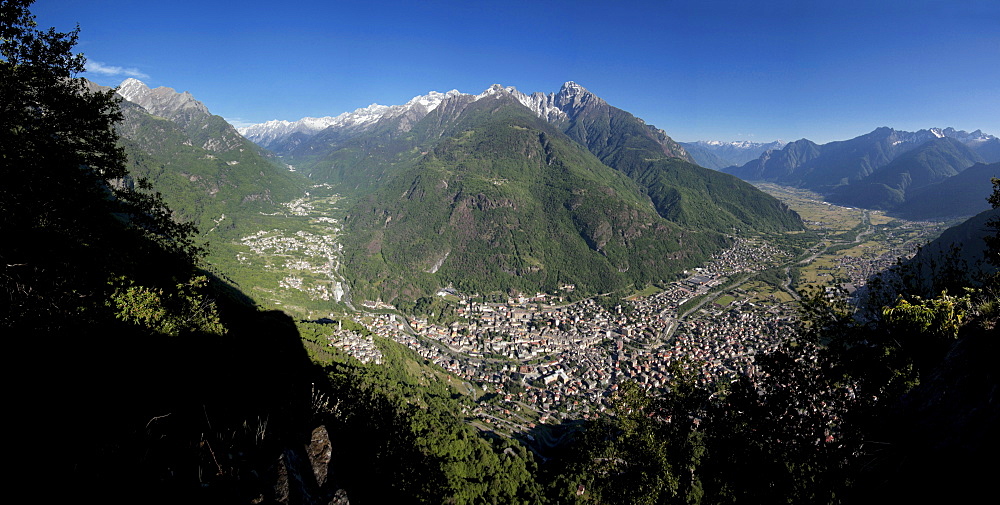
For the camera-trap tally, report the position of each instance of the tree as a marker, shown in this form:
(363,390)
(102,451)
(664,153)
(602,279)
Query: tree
(69,211)
(993,241)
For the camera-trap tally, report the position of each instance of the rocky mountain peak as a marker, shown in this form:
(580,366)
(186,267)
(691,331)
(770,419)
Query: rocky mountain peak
(541,104)
(572,98)
(162,101)
(431,100)
(130,89)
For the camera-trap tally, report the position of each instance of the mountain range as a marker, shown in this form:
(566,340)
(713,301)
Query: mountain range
(719,155)
(883,169)
(511,191)
(355,149)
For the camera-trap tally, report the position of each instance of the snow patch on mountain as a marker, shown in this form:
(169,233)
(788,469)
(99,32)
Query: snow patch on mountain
(541,104)
(130,89)
(267,133)
(742,144)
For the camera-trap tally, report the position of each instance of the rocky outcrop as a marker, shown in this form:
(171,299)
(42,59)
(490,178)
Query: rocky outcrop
(304,475)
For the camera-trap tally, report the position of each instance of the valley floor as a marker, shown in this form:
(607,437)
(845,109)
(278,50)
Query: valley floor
(538,360)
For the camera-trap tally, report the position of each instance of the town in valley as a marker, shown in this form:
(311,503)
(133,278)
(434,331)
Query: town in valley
(535,359)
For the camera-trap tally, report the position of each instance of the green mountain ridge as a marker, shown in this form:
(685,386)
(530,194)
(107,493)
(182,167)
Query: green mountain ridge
(358,159)
(681,191)
(207,172)
(506,202)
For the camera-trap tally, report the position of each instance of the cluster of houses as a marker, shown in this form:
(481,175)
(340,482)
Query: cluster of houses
(362,347)
(567,361)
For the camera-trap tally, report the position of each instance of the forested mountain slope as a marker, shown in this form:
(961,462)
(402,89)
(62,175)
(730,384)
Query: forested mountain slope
(961,195)
(208,173)
(682,192)
(505,201)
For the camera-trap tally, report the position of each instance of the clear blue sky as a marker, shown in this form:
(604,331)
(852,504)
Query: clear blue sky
(700,70)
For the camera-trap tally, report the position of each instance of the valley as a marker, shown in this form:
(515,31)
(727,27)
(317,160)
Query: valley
(292,262)
(497,297)
(530,360)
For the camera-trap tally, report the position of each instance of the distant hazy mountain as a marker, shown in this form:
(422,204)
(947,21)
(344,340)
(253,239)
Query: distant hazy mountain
(988,149)
(824,167)
(717,155)
(879,170)
(961,195)
(206,171)
(891,185)
(283,136)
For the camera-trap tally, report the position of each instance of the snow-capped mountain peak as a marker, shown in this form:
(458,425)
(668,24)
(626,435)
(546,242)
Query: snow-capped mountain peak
(131,88)
(541,104)
(431,100)
(496,89)
(265,134)
(741,144)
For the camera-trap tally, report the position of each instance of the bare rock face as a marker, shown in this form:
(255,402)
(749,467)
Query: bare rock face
(181,108)
(320,451)
(304,474)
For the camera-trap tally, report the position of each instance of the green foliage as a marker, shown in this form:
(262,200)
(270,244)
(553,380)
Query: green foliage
(647,453)
(402,425)
(71,212)
(436,309)
(939,317)
(168,312)
(776,276)
(613,304)
(993,241)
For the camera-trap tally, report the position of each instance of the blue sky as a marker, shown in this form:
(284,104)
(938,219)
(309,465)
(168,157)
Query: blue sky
(700,70)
